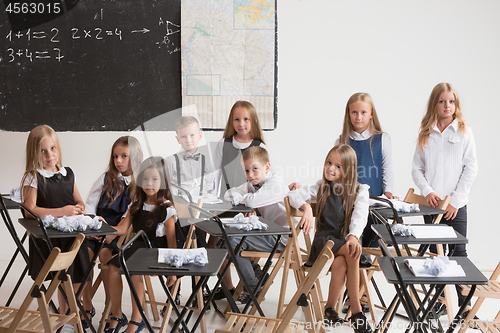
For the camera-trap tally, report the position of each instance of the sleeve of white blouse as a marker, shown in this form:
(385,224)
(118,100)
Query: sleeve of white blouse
(302,195)
(387,169)
(160,228)
(273,191)
(359,216)
(418,172)
(236,194)
(460,195)
(94,196)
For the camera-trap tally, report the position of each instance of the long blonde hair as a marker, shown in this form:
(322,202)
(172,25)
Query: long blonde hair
(431,116)
(374,125)
(112,184)
(33,152)
(348,186)
(255,131)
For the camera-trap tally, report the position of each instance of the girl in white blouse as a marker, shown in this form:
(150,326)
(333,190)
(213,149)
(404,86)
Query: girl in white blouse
(445,161)
(341,215)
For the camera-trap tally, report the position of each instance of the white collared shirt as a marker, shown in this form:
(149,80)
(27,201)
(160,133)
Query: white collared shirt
(447,165)
(29,181)
(269,198)
(190,170)
(387,169)
(361,204)
(95,192)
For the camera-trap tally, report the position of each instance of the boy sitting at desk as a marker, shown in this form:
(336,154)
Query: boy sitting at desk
(189,168)
(265,192)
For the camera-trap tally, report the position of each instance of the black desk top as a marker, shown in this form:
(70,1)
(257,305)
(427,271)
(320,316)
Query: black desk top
(32,226)
(226,206)
(212,228)
(9,204)
(142,259)
(382,232)
(473,275)
(424,210)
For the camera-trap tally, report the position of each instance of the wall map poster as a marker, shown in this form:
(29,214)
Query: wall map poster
(228,54)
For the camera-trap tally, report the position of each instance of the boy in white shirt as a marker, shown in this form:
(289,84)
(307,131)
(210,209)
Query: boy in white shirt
(189,168)
(264,191)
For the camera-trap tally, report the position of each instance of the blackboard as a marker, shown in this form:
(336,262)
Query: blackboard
(99,65)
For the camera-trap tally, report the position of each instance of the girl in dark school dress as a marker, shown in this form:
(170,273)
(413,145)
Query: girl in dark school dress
(109,198)
(342,212)
(151,210)
(48,188)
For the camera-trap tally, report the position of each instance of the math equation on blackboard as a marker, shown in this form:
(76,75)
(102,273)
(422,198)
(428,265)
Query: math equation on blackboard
(51,40)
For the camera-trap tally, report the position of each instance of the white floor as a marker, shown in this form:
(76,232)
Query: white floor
(215,321)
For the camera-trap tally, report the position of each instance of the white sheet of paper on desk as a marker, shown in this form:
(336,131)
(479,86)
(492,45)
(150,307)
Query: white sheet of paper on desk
(433,231)
(418,269)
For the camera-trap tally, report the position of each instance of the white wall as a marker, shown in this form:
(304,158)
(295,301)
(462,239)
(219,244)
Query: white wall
(395,50)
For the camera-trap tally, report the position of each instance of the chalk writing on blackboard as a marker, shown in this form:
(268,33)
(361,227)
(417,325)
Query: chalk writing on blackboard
(106,65)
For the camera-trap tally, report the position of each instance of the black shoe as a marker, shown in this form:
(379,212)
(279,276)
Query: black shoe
(438,310)
(219,293)
(121,322)
(360,323)
(332,318)
(91,314)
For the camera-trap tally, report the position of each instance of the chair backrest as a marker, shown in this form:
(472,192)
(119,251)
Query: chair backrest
(320,267)
(291,214)
(411,197)
(57,261)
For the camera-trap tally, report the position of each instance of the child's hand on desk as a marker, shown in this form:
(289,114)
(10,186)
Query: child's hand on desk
(432,199)
(71,210)
(353,247)
(171,280)
(390,196)
(451,212)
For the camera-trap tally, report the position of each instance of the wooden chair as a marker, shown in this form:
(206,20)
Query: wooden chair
(257,324)
(24,320)
(491,290)
(411,197)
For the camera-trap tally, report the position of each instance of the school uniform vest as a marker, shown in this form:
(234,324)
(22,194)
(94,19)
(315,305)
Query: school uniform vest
(233,173)
(114,212)
(332,221)
(369,154)
(56,192)
(148,221)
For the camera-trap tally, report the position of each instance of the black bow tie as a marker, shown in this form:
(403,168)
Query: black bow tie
(257,187)
(195,157)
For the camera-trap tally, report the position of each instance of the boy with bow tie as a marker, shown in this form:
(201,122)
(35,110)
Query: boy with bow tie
(189,168)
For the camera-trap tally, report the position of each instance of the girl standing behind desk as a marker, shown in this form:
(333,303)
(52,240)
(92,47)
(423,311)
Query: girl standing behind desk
(445,161)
